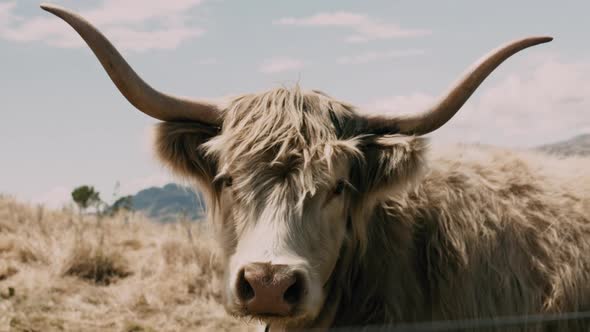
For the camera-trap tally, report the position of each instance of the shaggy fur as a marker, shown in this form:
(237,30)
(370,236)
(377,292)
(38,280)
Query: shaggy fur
(481,232)
(487,233)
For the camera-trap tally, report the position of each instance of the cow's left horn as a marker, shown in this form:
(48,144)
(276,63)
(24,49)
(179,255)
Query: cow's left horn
(451,102)
(148,100)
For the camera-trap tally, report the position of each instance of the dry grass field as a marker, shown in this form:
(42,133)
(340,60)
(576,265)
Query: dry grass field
(60,272)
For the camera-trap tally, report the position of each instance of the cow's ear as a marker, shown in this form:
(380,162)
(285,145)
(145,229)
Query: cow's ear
(389,164)
(179,146)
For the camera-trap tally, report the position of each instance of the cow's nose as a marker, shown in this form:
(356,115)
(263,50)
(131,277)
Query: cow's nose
(267,289)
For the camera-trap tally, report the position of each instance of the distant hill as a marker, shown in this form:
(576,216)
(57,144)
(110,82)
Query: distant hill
(579,145)
(170,202)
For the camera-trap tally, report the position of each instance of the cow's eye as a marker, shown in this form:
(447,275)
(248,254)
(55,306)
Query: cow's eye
(228,181)
(340,186)
(223,181)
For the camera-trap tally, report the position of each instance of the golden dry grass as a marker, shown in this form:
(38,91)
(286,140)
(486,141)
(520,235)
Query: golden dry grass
(62,273)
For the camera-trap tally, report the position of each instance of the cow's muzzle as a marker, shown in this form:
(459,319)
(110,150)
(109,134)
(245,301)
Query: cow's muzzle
(270,290)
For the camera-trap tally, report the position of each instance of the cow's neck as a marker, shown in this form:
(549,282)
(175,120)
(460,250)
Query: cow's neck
(371,285)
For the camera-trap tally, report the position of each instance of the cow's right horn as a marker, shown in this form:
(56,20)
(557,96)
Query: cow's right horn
(442,111)
(148,100)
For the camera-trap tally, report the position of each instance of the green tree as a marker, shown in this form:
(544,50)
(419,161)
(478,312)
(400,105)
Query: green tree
(85,196)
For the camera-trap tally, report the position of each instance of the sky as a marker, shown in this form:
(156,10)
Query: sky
(64,123)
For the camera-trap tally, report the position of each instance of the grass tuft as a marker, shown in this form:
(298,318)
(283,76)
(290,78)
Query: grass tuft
(97,265)
(59,272)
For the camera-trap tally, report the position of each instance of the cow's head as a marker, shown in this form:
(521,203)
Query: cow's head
(289,174)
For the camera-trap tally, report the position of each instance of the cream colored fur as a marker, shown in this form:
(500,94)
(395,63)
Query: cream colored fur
(466,232)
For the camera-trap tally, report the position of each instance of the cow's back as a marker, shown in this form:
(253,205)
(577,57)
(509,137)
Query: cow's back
(495,233)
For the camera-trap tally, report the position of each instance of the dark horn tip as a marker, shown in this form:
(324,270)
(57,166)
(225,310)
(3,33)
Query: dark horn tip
(49,7)
(546,39)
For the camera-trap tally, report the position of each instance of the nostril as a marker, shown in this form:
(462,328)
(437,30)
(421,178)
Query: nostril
(244,289)
(294,293)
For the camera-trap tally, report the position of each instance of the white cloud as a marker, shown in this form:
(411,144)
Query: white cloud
(377,56)
(6,13)
(545,102)
(282,64)
(364,27)
(408,104)
(136,25)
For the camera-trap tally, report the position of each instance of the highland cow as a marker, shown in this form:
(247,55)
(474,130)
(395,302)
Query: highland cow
(329,217)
